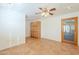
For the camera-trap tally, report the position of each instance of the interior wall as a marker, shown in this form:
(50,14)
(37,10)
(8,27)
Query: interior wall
(51,26)
(28,22)
(12,28)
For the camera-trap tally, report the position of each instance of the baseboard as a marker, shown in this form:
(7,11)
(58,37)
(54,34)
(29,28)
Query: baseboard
(50,39)
(13,45)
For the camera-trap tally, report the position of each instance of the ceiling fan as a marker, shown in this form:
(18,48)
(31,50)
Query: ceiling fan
(46,11)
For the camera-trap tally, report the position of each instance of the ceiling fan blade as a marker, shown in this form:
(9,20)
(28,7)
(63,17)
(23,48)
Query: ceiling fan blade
(40,8)
(52,9)
(51,13)
(38,13)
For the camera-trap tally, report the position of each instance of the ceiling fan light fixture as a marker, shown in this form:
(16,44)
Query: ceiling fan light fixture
(45,14)
(42,14)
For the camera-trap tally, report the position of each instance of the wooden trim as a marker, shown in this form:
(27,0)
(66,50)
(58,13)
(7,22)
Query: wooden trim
(76,31)
(69,18)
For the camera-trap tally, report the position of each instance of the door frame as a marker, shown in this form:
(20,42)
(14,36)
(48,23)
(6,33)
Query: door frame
(76,31)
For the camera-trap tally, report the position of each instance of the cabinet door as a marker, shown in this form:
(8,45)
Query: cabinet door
(36,29)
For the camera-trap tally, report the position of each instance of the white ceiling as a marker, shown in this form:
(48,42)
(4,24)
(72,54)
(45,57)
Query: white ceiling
(31,8)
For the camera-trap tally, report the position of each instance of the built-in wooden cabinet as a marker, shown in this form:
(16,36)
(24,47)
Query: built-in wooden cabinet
(36,29)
